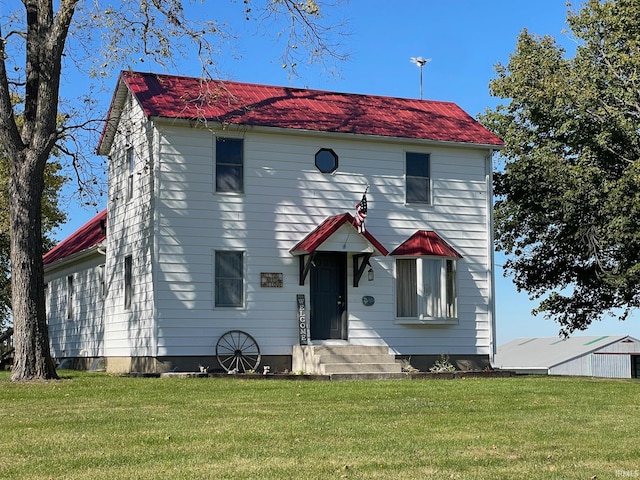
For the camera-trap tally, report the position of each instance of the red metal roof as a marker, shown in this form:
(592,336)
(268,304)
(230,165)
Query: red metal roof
(425,242)
(293,108)
(328,227)
(89,235)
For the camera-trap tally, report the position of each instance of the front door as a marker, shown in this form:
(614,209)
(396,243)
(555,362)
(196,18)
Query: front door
(328,316)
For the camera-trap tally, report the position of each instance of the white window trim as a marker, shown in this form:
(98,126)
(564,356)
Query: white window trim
(423,319)
(244,280)
(230,136)
(407,202)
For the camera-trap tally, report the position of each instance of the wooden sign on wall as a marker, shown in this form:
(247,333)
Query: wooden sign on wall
(271,280)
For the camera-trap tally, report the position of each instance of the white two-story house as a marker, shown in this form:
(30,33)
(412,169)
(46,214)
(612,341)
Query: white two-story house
(231,237)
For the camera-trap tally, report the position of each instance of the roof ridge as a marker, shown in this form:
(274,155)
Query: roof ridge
(300,89)
(295,109)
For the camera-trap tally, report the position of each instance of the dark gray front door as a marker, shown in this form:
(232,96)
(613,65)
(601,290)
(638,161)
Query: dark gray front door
(328,316)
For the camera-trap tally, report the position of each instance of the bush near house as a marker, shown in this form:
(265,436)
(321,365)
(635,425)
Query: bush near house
(93,426)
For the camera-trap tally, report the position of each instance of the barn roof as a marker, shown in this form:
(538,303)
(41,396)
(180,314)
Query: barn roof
(86,237)
(546,352)
(426,242)
(237,103)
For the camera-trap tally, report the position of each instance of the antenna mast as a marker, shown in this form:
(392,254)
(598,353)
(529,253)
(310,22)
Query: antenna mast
(420,62)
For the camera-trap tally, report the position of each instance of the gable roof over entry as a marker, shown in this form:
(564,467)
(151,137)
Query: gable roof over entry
(236,103)
(326,229)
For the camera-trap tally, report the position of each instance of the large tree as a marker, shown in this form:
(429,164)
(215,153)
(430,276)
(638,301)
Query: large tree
(34,40)
(52,217)
(568,198)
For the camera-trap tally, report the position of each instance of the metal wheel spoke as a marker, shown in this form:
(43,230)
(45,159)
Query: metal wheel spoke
(226,361)
(224,350)
(227,343)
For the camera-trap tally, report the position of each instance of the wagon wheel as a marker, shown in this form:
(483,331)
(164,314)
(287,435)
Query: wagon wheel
(237,351)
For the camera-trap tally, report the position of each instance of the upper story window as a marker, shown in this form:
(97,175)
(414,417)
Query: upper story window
(229,165)
(326,160)
(418,182)
(131,162)
(131,159)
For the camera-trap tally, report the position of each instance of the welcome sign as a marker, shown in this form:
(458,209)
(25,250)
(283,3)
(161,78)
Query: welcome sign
(303,326)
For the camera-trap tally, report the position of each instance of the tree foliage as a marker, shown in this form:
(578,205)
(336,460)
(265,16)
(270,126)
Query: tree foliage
(568,199)
(41,40)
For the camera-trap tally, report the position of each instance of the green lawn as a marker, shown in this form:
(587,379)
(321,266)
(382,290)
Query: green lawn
(102,427)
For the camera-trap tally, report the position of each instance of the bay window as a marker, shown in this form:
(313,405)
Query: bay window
(426,289)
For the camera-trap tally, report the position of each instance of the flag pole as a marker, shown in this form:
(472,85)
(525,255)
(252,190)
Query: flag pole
(353,224)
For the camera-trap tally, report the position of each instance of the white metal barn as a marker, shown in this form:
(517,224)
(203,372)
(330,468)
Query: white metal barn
(592,356)
(233,238)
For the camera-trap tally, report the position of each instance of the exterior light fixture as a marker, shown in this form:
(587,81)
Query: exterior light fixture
(370,274)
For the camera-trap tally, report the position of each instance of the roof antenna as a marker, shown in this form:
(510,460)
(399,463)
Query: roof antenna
(420,62)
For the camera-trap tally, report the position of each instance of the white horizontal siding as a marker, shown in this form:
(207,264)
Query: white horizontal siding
(176,221)
(83,333)
(285,198)
(129,223)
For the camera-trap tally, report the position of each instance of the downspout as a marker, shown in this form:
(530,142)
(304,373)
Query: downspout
(491,255)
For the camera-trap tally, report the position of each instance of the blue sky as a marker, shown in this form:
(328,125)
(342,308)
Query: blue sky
(465,39)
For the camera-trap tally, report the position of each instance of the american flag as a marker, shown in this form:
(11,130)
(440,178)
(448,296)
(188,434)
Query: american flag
(361,212)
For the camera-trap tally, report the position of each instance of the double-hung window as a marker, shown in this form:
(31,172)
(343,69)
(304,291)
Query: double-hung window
(426,289)
(417,175)
(131,166)
(229,165)
(102,272)
(229,279)
(70,297)
(128,281)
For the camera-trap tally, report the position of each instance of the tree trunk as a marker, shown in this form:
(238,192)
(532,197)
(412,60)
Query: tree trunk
(31,337)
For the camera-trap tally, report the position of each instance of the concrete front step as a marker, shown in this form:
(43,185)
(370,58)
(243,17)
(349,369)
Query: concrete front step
(349,349)
(344,359)
(357,358)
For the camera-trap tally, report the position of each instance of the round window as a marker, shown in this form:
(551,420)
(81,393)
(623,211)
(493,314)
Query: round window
(326,160)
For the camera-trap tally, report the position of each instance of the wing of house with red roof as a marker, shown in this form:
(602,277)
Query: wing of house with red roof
(75,276)
(254,225)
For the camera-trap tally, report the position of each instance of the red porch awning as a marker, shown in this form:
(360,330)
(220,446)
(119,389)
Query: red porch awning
(425,243)
(326,229)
